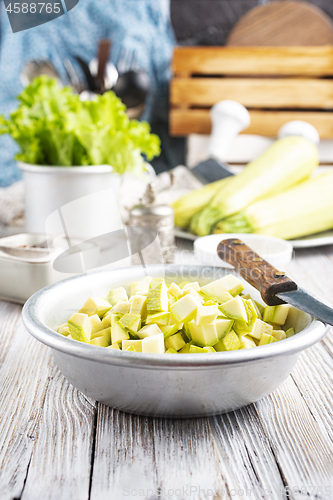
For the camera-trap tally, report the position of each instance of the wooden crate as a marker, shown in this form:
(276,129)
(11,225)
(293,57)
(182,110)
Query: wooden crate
(276,84)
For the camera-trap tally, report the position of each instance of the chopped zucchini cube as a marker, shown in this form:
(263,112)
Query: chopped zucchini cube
(64,330)
(80,327)
(230,342)
(290,332)
(198,350)
(138,305)
(174,342)
(118,333)
(185,308)
(96,324)
(132,322)
(244,327)
(169,330)
(247,342)
(157,298)
(279,334)
(234,309)
(122,307)
(218,288)
(95,305)
(267,339)
(171,351)
(175,291)
(148,331)
(103,333)
(260,328)
(153,344)
(276,314)
(137,344)
(203,335)
(206,314)
(102,341)
(186,348)
(116,295)
(143,286)
(114,346)
(223,326)
(160,318)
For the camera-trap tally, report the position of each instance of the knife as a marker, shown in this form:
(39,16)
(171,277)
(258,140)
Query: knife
(228,118)
(275,287)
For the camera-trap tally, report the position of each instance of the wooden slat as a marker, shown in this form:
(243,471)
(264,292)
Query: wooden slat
(254,92)
(197,121)
(301,61)
(138,457)
(61,461)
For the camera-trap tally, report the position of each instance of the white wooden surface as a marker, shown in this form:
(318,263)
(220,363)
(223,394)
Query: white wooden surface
(57,444)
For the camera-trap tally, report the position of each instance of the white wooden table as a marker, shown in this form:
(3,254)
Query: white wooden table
(57,444)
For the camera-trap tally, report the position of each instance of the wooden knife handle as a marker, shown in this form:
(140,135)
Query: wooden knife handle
(255,270)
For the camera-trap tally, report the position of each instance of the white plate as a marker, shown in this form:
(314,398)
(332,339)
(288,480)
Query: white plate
(313,240)
(276,251)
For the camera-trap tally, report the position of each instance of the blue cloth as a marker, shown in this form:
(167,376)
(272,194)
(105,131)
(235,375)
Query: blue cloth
(138,26)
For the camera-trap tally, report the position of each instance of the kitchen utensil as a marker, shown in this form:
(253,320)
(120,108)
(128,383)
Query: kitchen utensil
(163,385)
(91,81)
(275,287)
(35,68)
(111,73)
(229,118)
(28,270)
(282,24)
(159,217)
(132,87)
(104,47)
(276,251)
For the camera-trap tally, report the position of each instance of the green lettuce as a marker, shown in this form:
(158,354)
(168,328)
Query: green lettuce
(52,126)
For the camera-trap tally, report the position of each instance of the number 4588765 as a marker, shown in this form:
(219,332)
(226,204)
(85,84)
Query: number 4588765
(33,8)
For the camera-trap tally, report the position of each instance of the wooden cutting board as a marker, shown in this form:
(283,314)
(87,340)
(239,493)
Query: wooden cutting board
(283,23)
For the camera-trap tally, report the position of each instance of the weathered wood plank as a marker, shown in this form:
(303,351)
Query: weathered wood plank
(247,460)
(300,61)
(61,461)
(267,122)
(254,92)
(24,378)
(304,456)
(9,316)
(150,457)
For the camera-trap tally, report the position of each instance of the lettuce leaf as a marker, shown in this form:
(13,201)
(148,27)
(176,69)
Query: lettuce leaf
(53,127)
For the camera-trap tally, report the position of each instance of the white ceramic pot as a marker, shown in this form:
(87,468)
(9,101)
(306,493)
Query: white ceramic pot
(49,188)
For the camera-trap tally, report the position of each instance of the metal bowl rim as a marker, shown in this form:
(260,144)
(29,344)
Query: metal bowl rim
(314,332)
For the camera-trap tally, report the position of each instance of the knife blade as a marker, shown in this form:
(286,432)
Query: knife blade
(275,287)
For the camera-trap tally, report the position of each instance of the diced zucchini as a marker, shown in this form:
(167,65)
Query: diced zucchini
(279,334)
(116,295)
(276,314)
(95,305)
(64,330)
(100,341)
(143,286)
(195,285)
(247,342)
(114,346)
(206,314)
(132,322)
(186,348)
(174,342)
(230,342)
(198,350)
(219,287)
(80,327)
(122,307)
(260,328)
(244,327)
(169,330)
(157,298)
(153,344)
(138,305)
(133,288)
(103,333)
(96,324)
(118,333)
(234,309)
(148,331)
(175,291)
(290,332)
(203,335)
(171,351)
(223,326)
(130,348)
(161,318)
(267,339)
(136,344)
(185,308)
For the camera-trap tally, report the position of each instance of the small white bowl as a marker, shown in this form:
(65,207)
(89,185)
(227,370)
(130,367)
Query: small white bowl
(276,251)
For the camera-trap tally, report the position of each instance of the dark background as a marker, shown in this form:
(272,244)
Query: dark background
(208,22)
